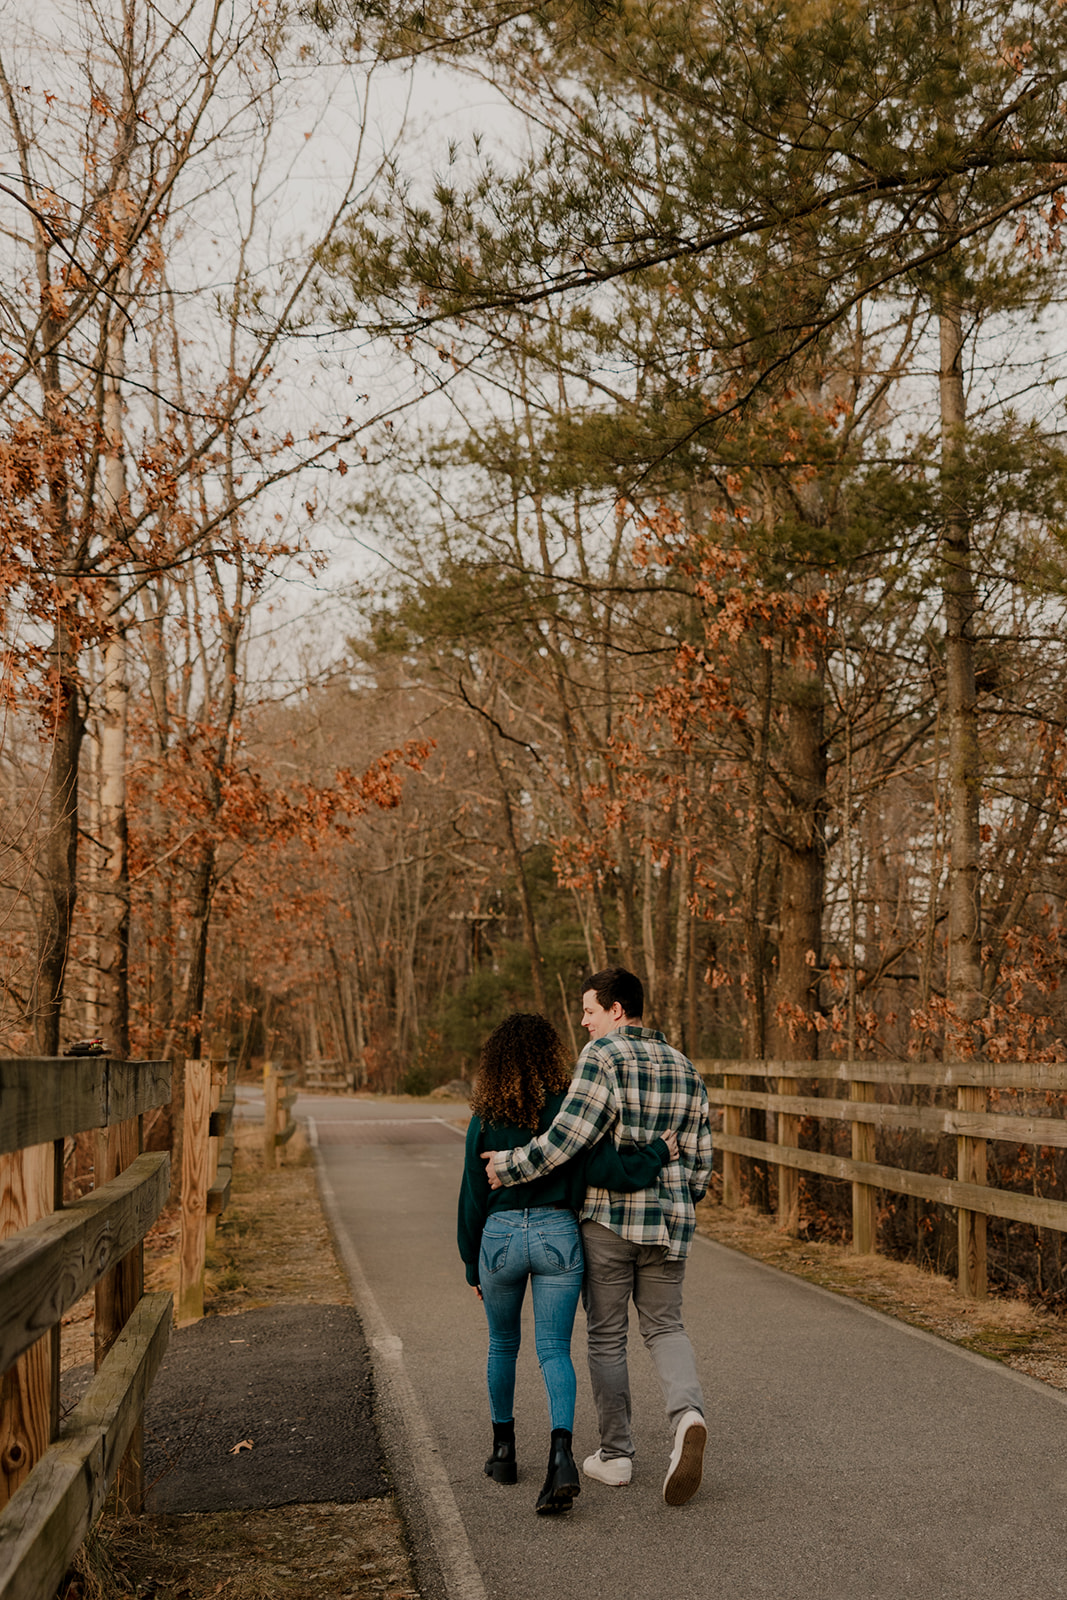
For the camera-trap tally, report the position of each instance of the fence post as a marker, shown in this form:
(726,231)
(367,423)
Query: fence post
(117,1294)
(194,1191)
(219,1077)
(29,1415)
(972,1276)
(864,1208)
(731,1161)
(788,1177)
(271,1085)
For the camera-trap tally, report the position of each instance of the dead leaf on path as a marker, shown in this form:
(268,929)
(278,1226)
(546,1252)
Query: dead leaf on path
(245,1444)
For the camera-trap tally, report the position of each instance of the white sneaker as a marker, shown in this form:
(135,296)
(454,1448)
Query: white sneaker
(614,1471)
(687,1459)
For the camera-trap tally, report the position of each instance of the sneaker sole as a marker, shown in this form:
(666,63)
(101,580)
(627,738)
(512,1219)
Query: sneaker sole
(609,1483)
(684,1480)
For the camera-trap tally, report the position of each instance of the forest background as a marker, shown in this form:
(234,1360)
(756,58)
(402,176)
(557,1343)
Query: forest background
(490,491)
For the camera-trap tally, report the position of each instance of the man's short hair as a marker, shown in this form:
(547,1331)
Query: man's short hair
(616,984)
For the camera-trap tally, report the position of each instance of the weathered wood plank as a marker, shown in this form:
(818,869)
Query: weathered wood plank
(54,1098)
(136,1086)
(29,1402)
(195,1181)
(1040,1075)
(118,1292)
(1050,1131)
(218,1196)
(947,1191)
(41,1100)
(46,1521)
(222,1117)
(51,1264)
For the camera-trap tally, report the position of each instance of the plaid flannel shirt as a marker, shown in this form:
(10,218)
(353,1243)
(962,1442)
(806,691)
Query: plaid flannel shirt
(632,1085)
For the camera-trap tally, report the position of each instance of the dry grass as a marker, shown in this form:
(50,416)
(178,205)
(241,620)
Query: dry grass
(320,1552)
(272,1248)
(1008,1330)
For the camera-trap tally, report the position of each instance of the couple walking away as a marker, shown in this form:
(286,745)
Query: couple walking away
(595,1175)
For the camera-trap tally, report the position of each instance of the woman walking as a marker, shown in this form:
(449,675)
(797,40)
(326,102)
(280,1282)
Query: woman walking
(529,1233)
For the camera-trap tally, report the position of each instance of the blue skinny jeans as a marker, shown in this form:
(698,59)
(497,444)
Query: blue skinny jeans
(542,1245)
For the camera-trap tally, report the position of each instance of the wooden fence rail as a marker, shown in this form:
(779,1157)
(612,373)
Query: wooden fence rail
(53,1479)
(969,1120)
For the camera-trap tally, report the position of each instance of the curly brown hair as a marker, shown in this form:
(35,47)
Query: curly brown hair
(522,1061)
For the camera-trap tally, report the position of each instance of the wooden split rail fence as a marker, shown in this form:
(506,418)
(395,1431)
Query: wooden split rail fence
(970,1120)
(331,1075)
(55,1477)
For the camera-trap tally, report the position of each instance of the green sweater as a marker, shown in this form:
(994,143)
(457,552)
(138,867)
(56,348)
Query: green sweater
(601,1166)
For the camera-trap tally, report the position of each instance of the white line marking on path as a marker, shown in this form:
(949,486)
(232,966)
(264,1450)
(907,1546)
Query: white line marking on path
(463,1581)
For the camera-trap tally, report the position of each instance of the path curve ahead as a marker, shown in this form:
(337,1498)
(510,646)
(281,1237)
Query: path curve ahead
(850,1457)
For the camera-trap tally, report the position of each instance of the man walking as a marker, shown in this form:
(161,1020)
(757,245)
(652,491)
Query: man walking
(630,1084)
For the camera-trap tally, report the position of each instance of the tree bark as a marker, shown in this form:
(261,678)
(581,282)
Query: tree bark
(518,866)
(61,848)
(802,865)
(963,777)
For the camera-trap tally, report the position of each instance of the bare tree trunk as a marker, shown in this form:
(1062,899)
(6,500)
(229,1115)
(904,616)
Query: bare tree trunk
(755,1041)
(114,882)
(61,849)
(658,958)
(161,956)
(648,935)
(115,692)
(802,857)
(961,700)
(801,892)
(964,771)
(114,826)
(518,866)
(677,1001)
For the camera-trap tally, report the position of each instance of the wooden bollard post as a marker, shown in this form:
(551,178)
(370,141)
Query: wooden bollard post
(864,1198)
(972,1277)
(194,1191)
(28,1398)
(271,1086)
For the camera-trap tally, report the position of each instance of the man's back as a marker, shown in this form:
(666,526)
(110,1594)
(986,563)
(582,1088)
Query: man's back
(650,1088)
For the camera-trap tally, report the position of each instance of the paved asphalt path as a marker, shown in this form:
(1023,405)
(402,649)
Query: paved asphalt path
(849,1457)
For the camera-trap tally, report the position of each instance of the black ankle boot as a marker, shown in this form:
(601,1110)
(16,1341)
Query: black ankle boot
(501,1464)
(562,1483)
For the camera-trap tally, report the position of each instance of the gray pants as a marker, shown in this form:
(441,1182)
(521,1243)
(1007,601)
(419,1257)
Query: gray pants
(615,1270)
